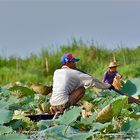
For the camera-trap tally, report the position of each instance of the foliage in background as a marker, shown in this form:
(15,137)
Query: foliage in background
(94,59)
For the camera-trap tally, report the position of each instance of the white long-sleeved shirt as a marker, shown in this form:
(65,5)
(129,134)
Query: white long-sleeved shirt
(66,80)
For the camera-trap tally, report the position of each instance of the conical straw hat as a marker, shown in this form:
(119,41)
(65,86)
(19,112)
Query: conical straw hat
(113,64)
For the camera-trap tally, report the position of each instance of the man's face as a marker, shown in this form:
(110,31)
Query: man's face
(72,65)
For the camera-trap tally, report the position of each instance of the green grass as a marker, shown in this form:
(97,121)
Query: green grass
(93,60)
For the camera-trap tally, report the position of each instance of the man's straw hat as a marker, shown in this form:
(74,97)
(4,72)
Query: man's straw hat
(113,64)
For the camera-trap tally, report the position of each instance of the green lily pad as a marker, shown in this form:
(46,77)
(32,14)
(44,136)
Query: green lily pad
(13,137)
(22,91)
(132,87)
(5,116)
(112,110)
(131,125)
(4,129)
(3,104)
(69,116)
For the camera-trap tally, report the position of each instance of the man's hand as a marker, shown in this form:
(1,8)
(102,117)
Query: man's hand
(111,87)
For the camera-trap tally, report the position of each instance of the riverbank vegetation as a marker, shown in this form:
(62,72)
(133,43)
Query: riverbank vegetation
(94,59)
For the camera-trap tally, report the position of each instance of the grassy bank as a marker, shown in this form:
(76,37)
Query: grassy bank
(93,59)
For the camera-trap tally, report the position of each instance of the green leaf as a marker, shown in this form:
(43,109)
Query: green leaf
(71,130)
(69,116)
(113,109)
(15,124)
(131,125)
(85,123)
(26,100)
(5,92)
(5,116)
(55,129)
(3,104)
(4,129)
(136,108)
(107,97)
(135,115)
(13,137)
(55,132)
(89,95)
(88,120)
(82,135)
(100,126)
(43,124)
(132,87)
(118,104)
(13,100)
(24,91)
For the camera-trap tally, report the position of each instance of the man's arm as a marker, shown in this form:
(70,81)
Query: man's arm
(90,81)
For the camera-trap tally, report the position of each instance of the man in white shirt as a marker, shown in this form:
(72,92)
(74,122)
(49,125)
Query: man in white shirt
(69,84)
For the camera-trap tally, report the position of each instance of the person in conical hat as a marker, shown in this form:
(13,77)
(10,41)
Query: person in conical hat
(113,64)
(111,72)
